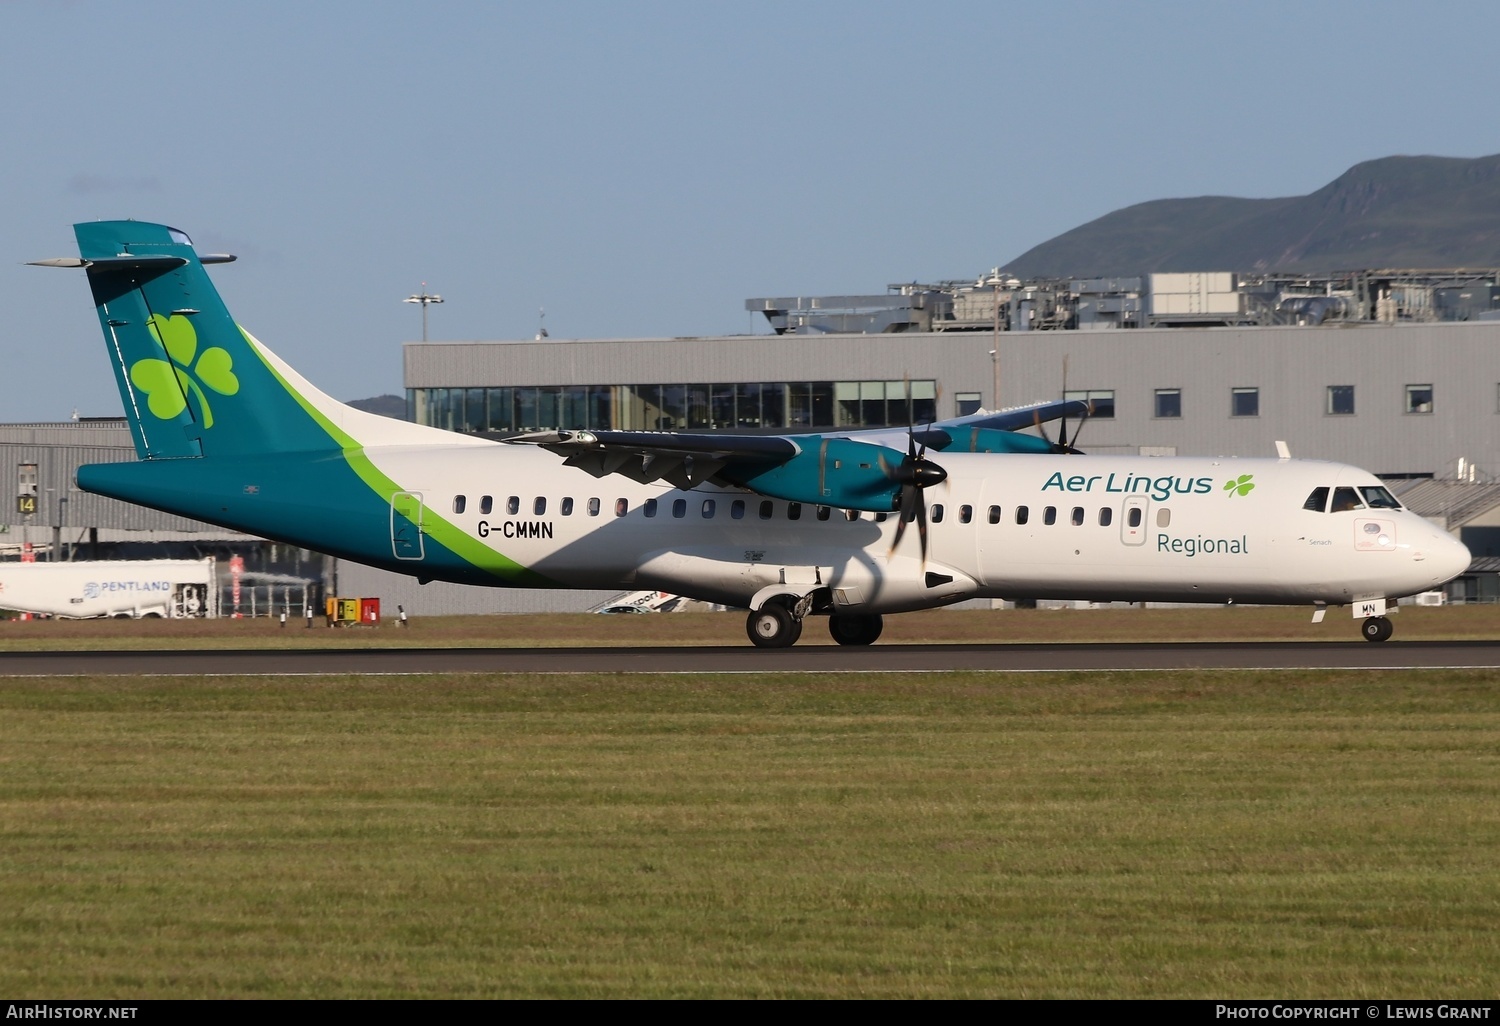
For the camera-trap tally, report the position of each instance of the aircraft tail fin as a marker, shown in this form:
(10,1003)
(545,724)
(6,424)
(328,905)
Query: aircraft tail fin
(193,382)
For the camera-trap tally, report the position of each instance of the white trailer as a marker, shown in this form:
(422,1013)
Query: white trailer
(147,587)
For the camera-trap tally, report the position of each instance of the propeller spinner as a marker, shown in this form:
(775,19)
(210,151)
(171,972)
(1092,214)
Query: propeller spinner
(914,473)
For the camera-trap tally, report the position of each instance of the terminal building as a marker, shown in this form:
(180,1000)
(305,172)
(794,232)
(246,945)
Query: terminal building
(1394,371)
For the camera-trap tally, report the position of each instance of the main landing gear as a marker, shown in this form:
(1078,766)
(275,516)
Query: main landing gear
(1377,628)
(853,629)
(775,625)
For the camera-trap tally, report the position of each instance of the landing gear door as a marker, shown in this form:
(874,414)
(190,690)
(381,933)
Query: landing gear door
(406,525)
(1133,520)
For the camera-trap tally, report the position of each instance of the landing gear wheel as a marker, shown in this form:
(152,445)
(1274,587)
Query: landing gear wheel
(1377,628)
(854,629)
(773,626)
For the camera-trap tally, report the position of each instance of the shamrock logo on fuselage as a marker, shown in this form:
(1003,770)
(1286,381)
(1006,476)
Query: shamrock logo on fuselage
(1240,485)
(166,384)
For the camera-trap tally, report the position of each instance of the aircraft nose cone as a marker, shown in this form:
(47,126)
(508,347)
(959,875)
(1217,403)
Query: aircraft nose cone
(1450,556)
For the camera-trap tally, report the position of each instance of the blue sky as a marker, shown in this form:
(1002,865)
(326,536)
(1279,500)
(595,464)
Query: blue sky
(641,169)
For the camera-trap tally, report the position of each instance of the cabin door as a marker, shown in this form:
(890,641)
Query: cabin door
(1133,520)
(406,525)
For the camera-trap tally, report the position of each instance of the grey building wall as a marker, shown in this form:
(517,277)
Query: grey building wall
(1292,367)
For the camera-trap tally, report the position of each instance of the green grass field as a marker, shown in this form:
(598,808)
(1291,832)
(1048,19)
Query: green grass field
(1196,834)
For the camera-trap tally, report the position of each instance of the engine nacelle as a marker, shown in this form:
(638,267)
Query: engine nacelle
(828,472)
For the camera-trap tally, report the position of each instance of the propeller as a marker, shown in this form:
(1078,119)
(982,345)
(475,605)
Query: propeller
(914,473)
(1063,445)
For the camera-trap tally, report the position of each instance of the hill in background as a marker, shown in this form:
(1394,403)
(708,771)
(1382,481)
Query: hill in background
(385,405)
(1394,212)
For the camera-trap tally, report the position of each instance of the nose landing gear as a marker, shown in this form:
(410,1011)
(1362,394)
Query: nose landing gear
(1377,628)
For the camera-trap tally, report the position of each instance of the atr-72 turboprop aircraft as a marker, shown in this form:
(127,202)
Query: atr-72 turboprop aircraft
(787,526)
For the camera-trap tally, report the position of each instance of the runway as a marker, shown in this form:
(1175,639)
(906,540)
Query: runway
(745,659)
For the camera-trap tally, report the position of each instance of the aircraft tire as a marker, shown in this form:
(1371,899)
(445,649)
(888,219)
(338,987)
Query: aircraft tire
(773,626)
(855,629)
(1377,628)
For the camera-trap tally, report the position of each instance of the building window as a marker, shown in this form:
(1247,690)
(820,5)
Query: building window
(1244,402)
(968,402)
(1340,400)
(1169,402)
(1100,400)
(1418,398)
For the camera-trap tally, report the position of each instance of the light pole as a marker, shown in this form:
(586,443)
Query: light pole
(426,301)
(995,353)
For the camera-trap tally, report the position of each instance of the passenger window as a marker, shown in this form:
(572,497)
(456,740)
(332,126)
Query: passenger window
(1106,516)
(965,514)
(513,505)
(737,509)
(679,508)
(458,503)
(567,506)
(1077,516)
(994,514)
(649,508)
(1022,514)
(593,507)
(937,513)
(1378,498)
(824,512)
(794,511)
(539,506)
(1164,517)
(1134,519)
(767,509)
(708,509)
(1317,501)
(1345,499)
(1049,515)
(486,503)
(622,506)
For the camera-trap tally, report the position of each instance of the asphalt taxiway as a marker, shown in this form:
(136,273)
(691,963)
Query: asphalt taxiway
(1356,654)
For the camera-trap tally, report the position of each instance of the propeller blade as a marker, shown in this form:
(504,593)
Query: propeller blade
(922,527)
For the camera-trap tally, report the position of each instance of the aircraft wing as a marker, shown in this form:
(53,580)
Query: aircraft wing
(680,458)
(851,469)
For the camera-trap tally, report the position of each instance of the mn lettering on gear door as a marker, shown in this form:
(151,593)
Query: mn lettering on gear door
(406,525)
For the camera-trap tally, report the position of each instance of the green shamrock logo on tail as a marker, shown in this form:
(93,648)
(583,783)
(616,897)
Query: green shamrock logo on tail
(166,384)
(1241,485)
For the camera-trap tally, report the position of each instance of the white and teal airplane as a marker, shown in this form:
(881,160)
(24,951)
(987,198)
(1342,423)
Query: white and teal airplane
(787,526)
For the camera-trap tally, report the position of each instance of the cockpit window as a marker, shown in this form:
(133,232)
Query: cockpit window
(1345,499)
(1317,501)
(1378,498)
